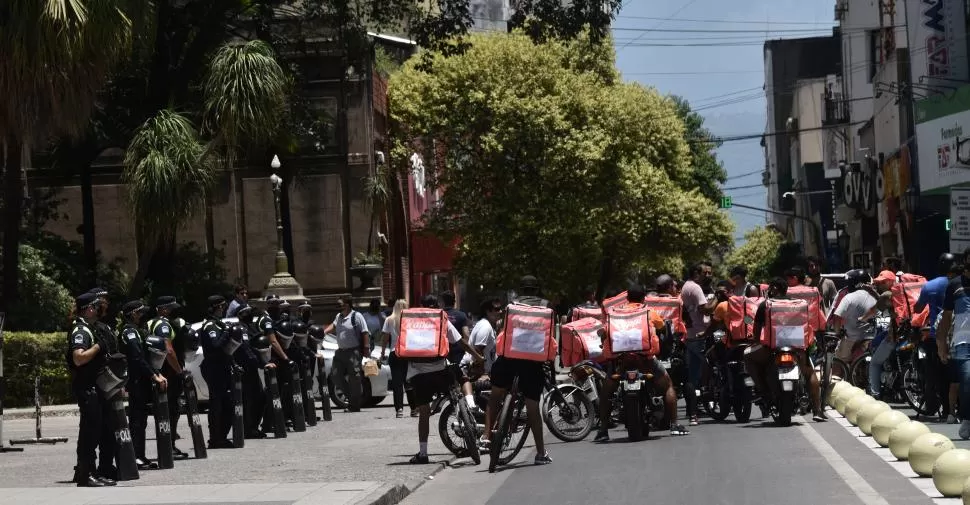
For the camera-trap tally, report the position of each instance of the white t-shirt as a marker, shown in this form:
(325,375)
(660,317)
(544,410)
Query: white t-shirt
(694,301)
(482,335)
(392,330)
(853,306)
(433,366)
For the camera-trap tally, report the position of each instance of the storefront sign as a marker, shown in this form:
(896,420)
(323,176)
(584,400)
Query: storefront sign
(937,41)
(959,219)
(859,189)
(942,121)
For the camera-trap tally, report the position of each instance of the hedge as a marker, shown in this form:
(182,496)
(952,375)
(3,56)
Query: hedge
(28,355)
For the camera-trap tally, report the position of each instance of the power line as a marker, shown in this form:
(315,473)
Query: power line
(746,174)
(746,22)
(759,185)
(661,21)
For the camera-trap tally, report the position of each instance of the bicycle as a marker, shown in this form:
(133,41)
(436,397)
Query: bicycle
(464,424)
(566,409)
(829,365)
(512,422)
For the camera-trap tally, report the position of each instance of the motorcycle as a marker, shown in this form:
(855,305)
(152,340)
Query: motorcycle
(791,390)
(729,386)
(643,407)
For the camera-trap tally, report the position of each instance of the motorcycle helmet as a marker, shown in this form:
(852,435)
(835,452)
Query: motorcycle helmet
(945,263)
(857,277)
(237,334)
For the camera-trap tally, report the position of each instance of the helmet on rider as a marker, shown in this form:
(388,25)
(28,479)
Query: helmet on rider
(946,263)
(857,277)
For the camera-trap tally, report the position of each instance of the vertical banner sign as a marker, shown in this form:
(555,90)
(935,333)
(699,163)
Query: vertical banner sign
(937,41)
(959,219)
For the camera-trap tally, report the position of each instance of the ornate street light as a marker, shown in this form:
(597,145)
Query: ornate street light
(281,283)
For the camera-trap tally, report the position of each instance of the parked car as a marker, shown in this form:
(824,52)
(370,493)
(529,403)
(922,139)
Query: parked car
(375,388)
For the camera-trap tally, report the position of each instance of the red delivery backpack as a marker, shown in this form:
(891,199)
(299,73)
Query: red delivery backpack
(904,296)
(740,323)
(583,311)
(424,335)
(581,341)
(629,330)
(669,308)
(615,301)
(811,295)
(787,324)
(529,333)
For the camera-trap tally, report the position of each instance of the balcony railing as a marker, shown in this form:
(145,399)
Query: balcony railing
(835,110)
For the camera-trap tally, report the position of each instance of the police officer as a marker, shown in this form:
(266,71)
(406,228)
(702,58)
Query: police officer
(161,327)
(263,336)
(279,311)
(142,374)
(219,342)
(107,445)
(86,355)
(245,356)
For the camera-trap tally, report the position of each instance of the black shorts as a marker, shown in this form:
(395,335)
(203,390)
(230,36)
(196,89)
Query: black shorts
(530,374)
(645,364)
(426,385)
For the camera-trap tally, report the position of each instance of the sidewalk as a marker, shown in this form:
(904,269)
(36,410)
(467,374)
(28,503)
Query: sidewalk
(356,458)
(45,411)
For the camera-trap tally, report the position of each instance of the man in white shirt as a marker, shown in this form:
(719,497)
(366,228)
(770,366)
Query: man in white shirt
(859,300)
(482,338)
(353,341)
(698,310)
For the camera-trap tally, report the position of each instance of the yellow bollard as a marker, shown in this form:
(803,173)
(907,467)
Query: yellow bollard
(868,413)
(950,471)
(839,387)
(855,405)
(925,451)
(885,423)
(902,438)
(966,492)
(845,397)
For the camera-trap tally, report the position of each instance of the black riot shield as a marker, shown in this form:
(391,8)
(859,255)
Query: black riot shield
(163,430)
(276,405)
(296,390)
(238,420)
(127,468)
(195,421)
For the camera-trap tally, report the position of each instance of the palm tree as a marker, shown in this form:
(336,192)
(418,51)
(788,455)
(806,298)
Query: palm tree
(56,55)
(167,180)
(245,93)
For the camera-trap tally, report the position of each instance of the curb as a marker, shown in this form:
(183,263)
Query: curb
(392,494)
(12,415)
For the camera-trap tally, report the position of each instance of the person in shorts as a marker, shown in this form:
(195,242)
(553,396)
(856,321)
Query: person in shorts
(428,378)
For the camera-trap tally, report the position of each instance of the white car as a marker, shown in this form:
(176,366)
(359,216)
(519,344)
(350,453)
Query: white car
(375,388)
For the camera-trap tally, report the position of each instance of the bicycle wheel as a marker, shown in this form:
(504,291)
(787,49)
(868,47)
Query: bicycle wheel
(859,376)
(468,432)
(449,430)
(517,432)
(497,436)
(840,369)
(714,397)
(568,412)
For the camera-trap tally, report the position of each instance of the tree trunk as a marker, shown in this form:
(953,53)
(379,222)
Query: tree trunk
(13,199)
(87,224)
(210,234)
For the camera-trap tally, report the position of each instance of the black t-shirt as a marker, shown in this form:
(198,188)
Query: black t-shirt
(458,318)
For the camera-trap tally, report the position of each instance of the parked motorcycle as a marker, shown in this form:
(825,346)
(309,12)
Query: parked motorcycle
(791,387)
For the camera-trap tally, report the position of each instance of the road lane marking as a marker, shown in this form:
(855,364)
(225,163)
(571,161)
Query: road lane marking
(866,493)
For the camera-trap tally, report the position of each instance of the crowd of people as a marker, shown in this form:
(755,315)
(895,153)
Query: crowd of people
(285,341)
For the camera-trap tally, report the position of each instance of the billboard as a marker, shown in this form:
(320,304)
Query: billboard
(942,128)
(937,41)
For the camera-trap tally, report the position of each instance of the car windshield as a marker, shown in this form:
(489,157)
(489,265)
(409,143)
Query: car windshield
(330,338)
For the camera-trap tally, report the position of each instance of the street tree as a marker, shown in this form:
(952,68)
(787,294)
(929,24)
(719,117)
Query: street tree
(56,54)
(707,171)
(551,167)
(758,253)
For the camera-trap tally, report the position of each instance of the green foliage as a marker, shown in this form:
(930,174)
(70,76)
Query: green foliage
(198,279)
(64,261)
(707,171)
(43,304)
(384,63)
(759,253)
(550,165)
(372,258)
(30,355)
(165,175)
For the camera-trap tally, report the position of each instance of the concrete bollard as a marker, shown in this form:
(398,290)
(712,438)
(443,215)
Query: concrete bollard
(925,451)
(884,424)
(845,398)
(837,388)
(950,471)
(868,413)
(855,405)
(902,438)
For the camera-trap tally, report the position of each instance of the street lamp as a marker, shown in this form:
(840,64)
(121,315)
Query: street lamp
(281,283)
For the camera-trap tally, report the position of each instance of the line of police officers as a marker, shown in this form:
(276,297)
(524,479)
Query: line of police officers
(147,358)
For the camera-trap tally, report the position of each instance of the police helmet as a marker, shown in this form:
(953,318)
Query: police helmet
(192,340)
(316,333)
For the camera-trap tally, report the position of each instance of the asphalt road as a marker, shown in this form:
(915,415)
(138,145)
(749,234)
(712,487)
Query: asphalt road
(755,463)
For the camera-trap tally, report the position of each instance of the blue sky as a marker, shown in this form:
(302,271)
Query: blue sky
(722,76)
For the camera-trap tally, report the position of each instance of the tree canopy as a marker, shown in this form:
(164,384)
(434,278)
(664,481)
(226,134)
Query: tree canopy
(551,166)
(706,170)
(759,253)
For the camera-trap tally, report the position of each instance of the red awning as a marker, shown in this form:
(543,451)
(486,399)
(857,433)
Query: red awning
(430,254)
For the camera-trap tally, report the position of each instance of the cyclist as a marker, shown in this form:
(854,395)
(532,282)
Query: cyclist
(859,299)
(483,340)
(530,374)
(430,377)
(647,364)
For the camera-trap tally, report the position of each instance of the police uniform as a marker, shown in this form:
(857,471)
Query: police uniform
(161,327)
(253,396)
(107,445)
(84,387)
(263,326)
(141,376)
(217,371)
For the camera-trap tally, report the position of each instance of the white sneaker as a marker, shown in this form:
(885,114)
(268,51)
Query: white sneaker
(952,419)
(965,430)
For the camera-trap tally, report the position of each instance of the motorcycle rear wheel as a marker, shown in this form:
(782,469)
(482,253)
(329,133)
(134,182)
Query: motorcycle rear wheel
(570,405)
(786,407)
(714,396)
(741,403)
(632,416)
